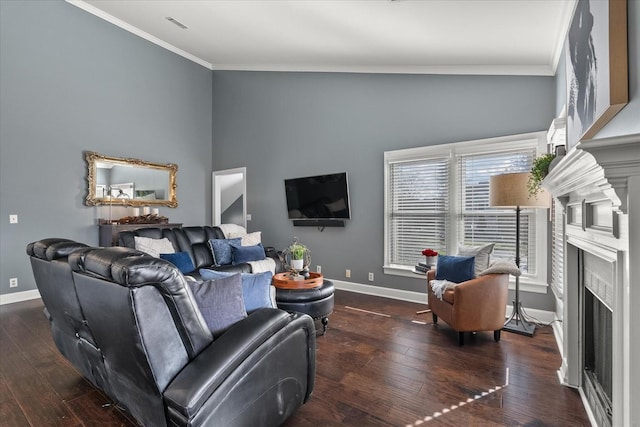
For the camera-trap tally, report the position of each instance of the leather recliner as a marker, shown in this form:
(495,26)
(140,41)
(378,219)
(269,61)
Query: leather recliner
(158,357)
(478,304)
(69,330)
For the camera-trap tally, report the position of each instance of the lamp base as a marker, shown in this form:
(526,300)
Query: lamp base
(519,326)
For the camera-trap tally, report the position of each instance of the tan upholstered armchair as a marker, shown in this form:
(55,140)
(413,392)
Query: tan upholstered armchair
(475,305)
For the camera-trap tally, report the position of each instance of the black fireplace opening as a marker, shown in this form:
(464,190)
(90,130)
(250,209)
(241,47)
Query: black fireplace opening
(598,319)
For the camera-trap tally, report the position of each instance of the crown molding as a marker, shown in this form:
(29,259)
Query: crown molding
(138,32)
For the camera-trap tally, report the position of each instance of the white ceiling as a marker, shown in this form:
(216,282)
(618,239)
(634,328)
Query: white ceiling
(522,37)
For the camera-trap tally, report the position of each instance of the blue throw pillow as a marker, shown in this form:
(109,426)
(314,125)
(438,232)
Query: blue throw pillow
(255,287)
(182,260)
(221,250)
(241,254)
(456,269)
(220,302)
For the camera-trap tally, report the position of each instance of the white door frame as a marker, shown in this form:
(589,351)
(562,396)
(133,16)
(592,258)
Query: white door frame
(218,178)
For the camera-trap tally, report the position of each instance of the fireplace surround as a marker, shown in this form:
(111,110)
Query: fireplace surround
(598,185)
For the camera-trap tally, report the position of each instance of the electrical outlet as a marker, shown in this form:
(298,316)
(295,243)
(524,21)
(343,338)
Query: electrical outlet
(248,217)
(318,269)
(13,219)
(371,277)
(13,282)
(347,273)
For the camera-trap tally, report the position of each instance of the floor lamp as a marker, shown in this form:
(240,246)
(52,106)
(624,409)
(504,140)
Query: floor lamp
(510,191)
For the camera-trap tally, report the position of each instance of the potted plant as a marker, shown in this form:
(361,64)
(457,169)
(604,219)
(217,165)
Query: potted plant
(431,256)
(539,170)
(297,251)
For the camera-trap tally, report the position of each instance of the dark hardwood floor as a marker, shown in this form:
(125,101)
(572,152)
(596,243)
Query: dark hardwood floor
(394,368)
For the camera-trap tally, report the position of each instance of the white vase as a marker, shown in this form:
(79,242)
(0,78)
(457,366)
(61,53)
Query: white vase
(297,264)
(432,261)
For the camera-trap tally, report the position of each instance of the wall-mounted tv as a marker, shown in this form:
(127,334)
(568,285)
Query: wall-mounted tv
(318,200)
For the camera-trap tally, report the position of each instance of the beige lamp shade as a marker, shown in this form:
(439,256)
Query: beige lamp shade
(510,191)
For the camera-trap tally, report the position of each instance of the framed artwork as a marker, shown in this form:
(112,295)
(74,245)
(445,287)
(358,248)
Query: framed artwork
(596,63)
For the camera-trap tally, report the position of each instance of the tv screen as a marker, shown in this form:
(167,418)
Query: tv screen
(318,197)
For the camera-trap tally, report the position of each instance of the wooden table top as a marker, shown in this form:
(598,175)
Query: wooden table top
(284,281)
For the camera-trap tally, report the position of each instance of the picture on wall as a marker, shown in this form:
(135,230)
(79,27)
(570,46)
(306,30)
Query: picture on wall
(597,71)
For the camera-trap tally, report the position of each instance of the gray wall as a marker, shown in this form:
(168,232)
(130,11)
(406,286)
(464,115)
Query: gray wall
(70,82)
(286,125)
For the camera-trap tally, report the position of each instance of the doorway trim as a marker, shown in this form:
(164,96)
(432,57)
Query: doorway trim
(218,179)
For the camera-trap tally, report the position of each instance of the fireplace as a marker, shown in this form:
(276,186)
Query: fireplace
(598,186)
(597,322)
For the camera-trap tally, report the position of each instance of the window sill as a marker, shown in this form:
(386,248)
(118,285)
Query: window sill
(400,270)
(527,284)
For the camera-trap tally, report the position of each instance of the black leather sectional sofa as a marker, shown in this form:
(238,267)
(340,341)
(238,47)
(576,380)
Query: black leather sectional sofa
(128,322)
(195,241)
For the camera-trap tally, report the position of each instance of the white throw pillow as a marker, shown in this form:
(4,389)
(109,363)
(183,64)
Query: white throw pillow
(252,239)
(501,266)
(154,247)
(231,231)
(482,254)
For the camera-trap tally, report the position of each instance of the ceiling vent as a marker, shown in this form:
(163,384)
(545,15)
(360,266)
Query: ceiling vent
(175,21)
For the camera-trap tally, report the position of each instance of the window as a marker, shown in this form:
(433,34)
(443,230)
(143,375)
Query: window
(419,207)
(438,196)
(557,249)
(477,221)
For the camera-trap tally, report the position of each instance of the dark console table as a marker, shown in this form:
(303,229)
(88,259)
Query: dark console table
(109,232)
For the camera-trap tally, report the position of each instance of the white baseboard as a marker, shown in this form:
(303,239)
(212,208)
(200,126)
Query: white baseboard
(19,296)
(535,315)
(411,296)
(542,316)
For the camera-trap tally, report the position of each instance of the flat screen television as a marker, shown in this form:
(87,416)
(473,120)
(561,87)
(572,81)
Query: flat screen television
(320,198)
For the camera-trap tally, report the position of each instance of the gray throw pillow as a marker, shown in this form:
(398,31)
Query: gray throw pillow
(220,302)
(482,254)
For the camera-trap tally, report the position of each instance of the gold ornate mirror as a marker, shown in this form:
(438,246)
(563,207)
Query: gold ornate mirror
(130,182)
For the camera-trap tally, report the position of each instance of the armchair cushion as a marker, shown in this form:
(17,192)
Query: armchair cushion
(220,302)
(455,269)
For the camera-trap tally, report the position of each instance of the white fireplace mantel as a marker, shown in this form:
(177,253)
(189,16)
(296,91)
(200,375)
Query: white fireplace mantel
(601,165)
(598,183)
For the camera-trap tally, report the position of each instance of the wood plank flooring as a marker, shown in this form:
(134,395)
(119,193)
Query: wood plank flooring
(373,369)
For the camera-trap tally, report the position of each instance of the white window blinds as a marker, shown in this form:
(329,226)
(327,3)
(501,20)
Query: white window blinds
(557,248)
(478,223)
(419,205)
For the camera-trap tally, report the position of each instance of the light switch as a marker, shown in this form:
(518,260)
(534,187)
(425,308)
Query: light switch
(13,219)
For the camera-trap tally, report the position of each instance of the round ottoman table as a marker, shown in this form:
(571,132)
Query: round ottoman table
(316,302)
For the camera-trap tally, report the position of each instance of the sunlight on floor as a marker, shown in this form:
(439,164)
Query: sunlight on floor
(367,311)
(460,404)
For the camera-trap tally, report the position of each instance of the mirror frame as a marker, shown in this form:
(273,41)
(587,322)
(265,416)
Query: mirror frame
(92,199)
